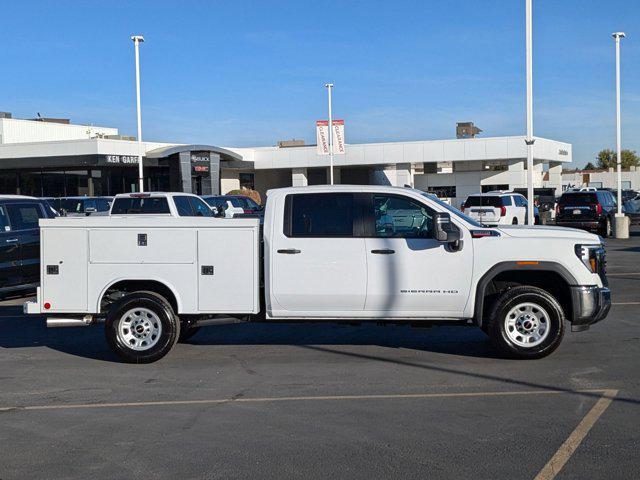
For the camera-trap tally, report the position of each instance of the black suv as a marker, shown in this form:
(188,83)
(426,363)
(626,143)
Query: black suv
(592,210)
(20,242)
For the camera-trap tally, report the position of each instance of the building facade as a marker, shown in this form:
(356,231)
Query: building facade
(66,160)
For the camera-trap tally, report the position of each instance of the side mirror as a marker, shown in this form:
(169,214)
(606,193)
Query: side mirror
(443,230)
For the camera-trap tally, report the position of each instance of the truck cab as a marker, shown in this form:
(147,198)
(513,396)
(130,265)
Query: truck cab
(327,253)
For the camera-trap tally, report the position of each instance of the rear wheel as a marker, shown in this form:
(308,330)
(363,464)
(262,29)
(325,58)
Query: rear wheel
(605,229)
(526,322)
(515,221)
(142,327)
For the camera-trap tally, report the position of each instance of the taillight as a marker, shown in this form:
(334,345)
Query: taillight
(598,208)
(503,211)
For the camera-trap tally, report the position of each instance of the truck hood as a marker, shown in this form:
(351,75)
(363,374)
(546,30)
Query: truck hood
(543,231)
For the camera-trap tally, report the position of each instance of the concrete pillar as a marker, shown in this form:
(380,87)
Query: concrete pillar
(185,171)
(299,177)
(404,175)
(214,175)
(336,175)
(621,226)
(383,175)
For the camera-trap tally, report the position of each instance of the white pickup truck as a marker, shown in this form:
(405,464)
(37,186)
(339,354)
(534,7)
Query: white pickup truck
(328,253)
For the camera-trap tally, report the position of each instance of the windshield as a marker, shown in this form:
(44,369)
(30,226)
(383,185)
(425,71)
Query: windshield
(453,210)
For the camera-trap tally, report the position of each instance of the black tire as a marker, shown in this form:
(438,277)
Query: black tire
(514,221)
(605,229)
(169,326)
(550,315)
(186,332)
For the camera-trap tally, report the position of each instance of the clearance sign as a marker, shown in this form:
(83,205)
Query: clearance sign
(322,137)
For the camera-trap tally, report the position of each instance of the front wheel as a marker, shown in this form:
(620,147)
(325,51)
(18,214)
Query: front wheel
(526,323)
(142,327)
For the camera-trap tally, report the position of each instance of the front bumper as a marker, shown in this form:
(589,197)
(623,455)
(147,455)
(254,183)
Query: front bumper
(590,304)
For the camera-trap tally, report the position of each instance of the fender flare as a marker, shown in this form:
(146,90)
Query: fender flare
(514,266)
(168,285)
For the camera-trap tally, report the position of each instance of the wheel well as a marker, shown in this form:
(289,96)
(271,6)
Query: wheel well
(547,280)
(123,287)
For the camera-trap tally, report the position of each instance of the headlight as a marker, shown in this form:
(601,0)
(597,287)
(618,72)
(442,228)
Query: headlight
(591,256)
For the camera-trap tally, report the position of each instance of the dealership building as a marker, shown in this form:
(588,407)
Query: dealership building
(54,158)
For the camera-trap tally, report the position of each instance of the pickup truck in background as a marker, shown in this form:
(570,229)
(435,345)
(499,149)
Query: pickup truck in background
(328,253)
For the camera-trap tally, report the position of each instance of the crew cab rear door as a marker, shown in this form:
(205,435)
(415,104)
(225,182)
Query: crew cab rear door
(410,274)
(318,261)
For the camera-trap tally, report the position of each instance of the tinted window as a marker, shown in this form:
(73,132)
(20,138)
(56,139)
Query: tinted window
(401,217)
(520,201)
(90,203)
(489,201)
(103,205)
(72,205)
(24,216)
(4,219)
(137,205)
(320,215)
(200,208)
(578,199)
(216,202)
(236,202)
(183,206)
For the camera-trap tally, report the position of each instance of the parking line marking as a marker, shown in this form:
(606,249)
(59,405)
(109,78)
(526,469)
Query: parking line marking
(625,303)
(217,401)
(563,454)
(621,274)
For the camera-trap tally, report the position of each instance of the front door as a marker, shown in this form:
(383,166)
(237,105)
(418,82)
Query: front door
(318,262)
(24,224)
(10,271)
(410,274)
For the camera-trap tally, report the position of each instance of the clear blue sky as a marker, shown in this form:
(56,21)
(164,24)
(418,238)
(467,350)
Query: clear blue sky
(241,73)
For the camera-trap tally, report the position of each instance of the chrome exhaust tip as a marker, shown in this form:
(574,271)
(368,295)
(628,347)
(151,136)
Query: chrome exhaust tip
(58,322)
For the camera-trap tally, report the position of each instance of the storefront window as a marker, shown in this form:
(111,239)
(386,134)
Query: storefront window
(247,180)
(53,184)
(31,183)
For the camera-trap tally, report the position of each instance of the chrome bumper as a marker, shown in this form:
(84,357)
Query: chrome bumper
(590,304)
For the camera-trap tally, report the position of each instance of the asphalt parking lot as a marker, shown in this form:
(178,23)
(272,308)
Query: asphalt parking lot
(322,401)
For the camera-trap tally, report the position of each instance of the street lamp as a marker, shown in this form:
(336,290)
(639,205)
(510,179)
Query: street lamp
(529,138)
(329,87)
(137,39)
(617,36)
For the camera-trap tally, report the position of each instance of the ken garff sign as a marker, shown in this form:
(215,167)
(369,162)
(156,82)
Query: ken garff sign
(121,159)
(562,151)
(322,137)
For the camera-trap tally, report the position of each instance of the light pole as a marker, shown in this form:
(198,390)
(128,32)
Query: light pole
(329,87)
(617,36)
(529,139)
(137,39)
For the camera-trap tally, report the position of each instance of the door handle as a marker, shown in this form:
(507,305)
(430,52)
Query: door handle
(11,240)
(289,251)
(384,251)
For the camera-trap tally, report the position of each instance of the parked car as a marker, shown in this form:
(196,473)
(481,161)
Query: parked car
(496,208)
(331,253)
(20,241)
(543,198)
(81,206)
(631,209)
(224,205)
(174,204)
(591,210)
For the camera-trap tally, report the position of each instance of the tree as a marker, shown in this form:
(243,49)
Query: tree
(589,166)
(607,158)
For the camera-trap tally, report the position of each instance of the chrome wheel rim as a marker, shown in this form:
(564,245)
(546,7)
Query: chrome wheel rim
(139,329)
(527,325)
